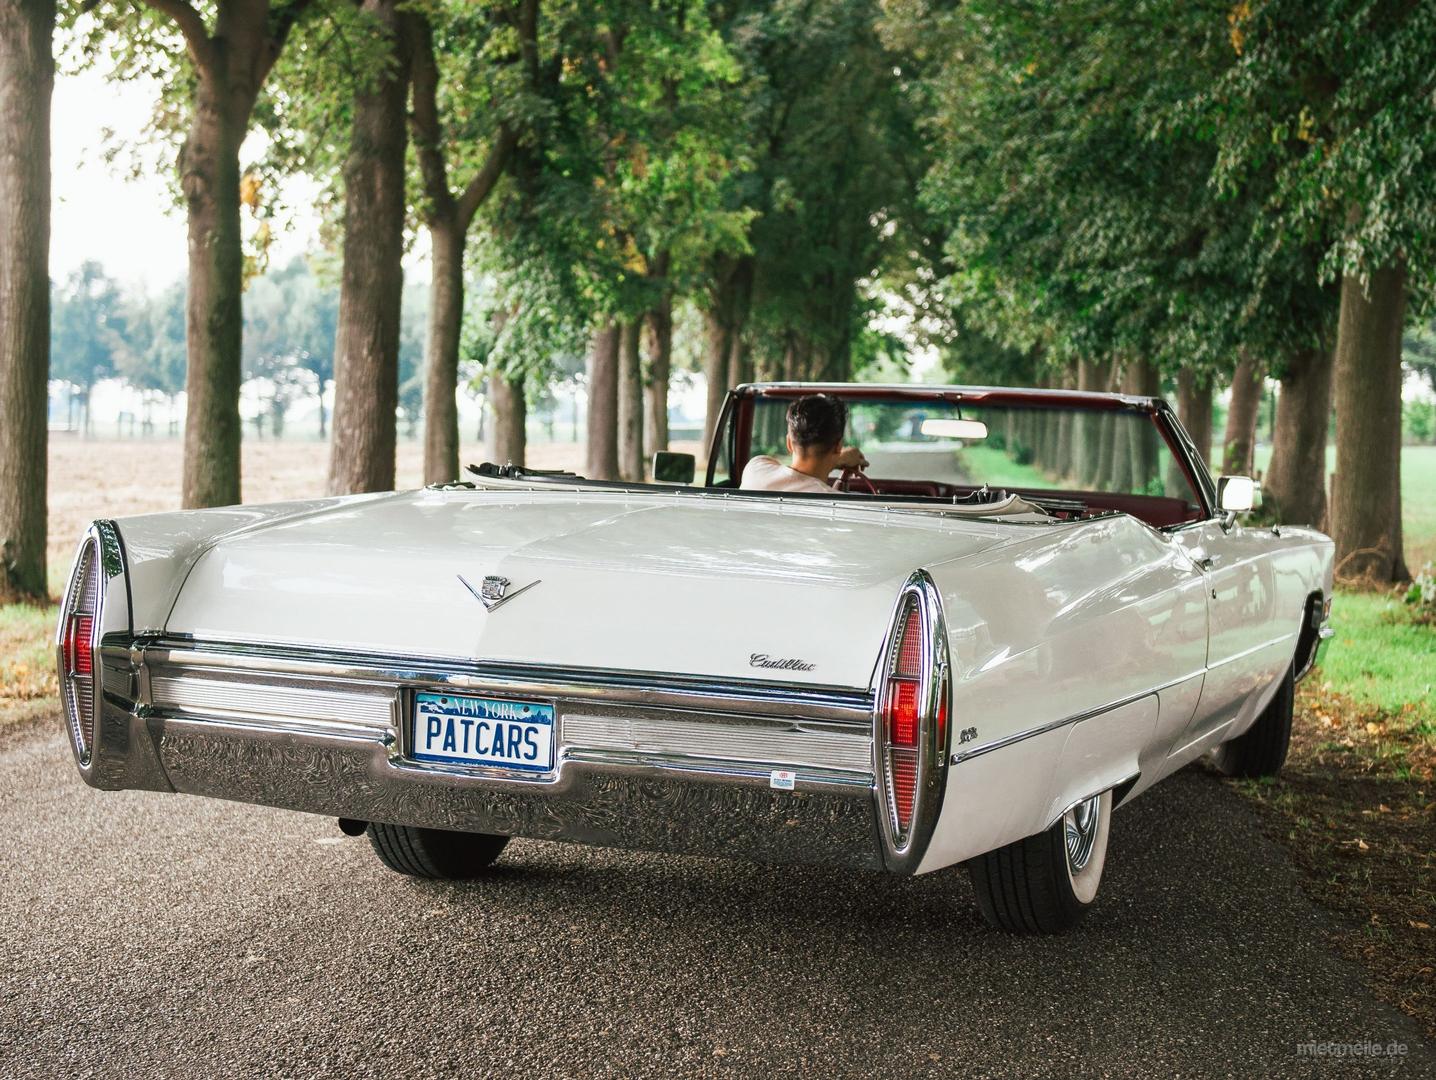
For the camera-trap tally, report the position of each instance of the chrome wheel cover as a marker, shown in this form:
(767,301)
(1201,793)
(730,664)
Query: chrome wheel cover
(1079,830)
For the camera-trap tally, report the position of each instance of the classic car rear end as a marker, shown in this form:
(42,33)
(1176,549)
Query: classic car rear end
(179,678)
(940,671)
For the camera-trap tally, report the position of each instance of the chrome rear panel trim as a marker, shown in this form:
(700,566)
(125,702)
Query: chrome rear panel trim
(691,693)
(729,742)
(227,695)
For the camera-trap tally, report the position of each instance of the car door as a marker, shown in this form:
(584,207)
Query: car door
(1248,640)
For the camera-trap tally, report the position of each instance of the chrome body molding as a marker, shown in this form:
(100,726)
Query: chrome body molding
(1075,718)
(460,674)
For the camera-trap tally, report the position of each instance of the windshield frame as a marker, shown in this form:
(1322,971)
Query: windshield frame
(733,434)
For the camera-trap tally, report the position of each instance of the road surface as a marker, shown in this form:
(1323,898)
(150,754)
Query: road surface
(151,935)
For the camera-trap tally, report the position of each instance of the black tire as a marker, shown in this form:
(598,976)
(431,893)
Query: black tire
(1029,887)
(1261,749)
(434,853)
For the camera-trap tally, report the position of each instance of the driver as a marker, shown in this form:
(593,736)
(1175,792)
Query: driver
(816,425)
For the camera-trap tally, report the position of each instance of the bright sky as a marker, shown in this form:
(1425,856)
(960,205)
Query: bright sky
(133,227)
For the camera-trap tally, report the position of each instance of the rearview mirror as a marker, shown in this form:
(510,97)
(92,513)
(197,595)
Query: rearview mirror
(669,468)
(1238,494)
(954,429)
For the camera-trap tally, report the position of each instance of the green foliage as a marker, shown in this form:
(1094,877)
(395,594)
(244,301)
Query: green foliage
(1331,100)
(835,154)
(89,328)
(291,317)
(1081,220)
(617,191)
(1418,419)
(155,359)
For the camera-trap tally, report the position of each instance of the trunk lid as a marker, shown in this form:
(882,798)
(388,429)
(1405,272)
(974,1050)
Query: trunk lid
(633,582)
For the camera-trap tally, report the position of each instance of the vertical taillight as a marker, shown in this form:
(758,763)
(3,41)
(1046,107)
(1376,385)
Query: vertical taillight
(902,715)
(79,620)
(911,726)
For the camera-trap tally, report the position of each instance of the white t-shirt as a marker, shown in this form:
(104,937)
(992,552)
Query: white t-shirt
(765,473)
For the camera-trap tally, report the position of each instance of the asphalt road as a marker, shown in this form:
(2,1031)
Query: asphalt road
(147,935)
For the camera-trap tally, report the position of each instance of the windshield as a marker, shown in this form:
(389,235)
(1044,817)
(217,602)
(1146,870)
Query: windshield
(947,447)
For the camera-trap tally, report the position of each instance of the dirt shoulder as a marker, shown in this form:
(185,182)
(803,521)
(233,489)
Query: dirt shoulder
(1356,808)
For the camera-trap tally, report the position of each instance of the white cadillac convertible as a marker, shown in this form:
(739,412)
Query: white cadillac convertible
(1030,608)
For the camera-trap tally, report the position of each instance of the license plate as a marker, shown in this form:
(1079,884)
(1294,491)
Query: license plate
(459,730)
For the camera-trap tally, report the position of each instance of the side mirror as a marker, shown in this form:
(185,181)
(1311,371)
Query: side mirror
(669,468)
(1238,494)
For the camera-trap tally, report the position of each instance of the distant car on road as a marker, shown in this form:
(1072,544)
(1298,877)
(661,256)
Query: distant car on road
(1034,605)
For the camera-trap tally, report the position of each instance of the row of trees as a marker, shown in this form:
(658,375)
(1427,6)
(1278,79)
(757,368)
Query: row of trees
(291,320)
(1197,192)
(617,158)
(1092,194)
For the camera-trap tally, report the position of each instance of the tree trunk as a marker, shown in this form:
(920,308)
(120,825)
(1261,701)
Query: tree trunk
(603,404)
(1366,497)
(209,169)
(740,358)
(366,362)
(509,431)
(1194,409)
(1239,446)
(722,356)
(660,367)
(718,342)
(1295,483)
(1087,436)
(1142,379)
(630,402)
(441,355)
(27,75)
(323,426)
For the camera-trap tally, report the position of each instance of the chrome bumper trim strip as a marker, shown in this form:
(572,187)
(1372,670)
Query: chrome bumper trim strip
(670,739)
(630,687)
(214,695)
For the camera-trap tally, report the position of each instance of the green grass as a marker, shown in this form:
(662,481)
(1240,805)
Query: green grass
(1382,658)
(27,658)
(988,465)
(1418,504)
(1418,498)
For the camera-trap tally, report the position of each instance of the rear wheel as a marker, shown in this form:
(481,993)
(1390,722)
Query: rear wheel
(434,853)
(1261,749)
(1046,883)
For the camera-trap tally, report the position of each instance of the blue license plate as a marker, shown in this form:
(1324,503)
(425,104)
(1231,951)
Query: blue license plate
(459,730)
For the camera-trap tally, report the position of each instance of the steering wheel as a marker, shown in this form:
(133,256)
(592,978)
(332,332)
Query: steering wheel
(851,475)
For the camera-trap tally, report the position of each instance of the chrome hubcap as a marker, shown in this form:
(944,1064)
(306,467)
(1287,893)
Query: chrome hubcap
(1079,826)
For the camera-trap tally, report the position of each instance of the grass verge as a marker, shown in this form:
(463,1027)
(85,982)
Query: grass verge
(27,657)
(1356,803)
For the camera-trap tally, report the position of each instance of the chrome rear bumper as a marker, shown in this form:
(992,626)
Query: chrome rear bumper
(642,761)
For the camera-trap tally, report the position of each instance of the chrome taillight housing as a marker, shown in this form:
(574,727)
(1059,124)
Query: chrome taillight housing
(77,649)
(910,733)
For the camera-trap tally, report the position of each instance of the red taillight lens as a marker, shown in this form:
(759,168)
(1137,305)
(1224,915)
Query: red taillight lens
(81,659)
(902,716)
(903,771)
(902,713)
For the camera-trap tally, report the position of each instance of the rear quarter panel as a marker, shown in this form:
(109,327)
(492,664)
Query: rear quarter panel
(1065,625)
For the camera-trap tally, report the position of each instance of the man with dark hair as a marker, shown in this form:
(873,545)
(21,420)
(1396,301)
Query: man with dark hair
(816,425)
